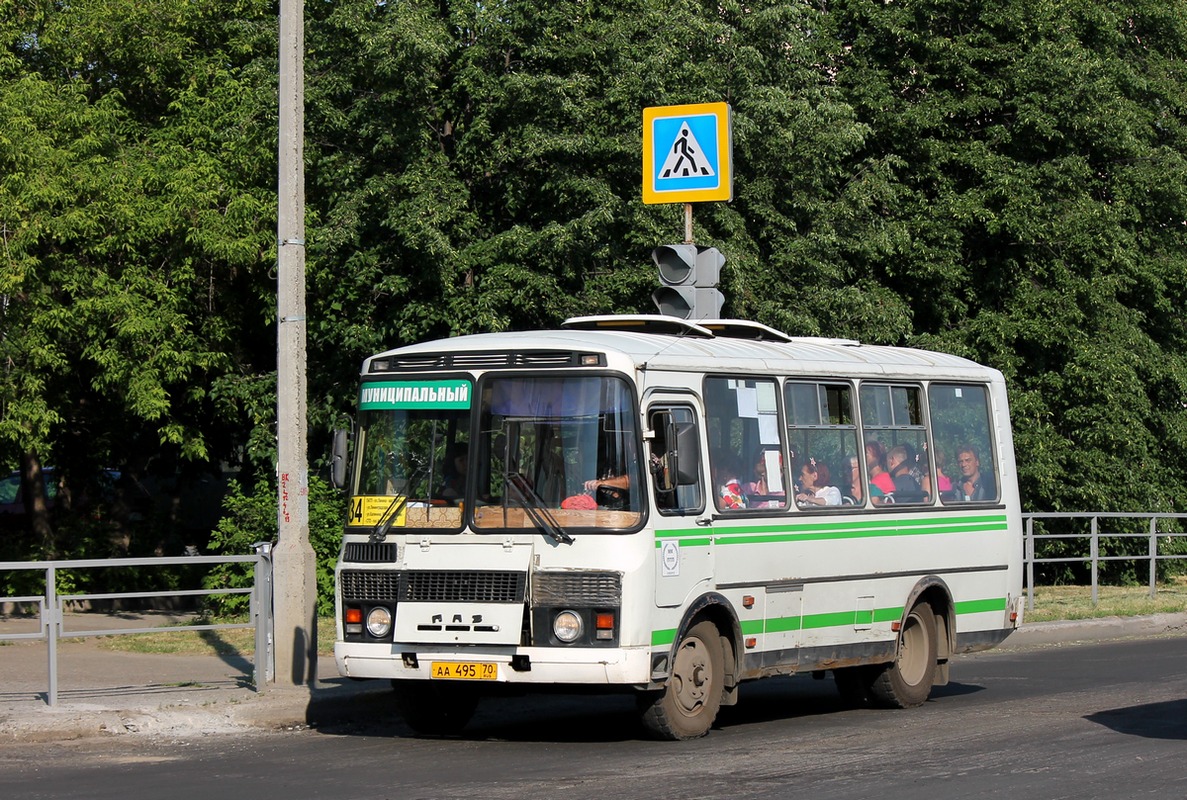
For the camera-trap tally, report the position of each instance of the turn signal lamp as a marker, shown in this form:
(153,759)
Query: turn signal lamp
(604,625)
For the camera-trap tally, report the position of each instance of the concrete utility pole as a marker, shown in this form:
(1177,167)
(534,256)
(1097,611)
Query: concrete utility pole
(295,568)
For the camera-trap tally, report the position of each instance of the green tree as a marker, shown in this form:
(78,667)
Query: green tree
(477,168)
(134,153)
(1001,179)
(1042,192)
(250,517)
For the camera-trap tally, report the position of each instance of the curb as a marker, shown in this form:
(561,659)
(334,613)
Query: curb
(200,712)
(1095,630)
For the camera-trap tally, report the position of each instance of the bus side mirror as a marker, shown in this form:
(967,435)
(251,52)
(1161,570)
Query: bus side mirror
(688,460)
(338,460)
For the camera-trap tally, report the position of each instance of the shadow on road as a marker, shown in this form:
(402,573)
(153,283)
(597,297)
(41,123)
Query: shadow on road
(565,718)
(955,690)
(1167,720)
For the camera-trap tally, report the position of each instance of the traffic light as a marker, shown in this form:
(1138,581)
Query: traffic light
(689,275)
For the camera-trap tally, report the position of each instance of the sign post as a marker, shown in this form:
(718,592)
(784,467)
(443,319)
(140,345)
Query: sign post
(688,158)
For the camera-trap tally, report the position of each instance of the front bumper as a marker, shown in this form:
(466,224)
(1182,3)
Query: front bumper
(534,665)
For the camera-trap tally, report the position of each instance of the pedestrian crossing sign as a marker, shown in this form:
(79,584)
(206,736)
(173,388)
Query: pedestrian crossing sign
(686,153)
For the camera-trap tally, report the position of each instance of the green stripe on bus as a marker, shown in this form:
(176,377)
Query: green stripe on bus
(835,619)
(662,638)
(752,626)
(980,606)
(880,522)
(782,624)
(772,534)
(702,541)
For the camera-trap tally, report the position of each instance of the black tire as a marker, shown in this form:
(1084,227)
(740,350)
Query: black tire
(435,708)
(688,705)
(906,682)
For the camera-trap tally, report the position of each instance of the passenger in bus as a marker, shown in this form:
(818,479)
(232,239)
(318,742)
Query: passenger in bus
(610,491)
(759,492)
(729,488)
(943,482)
(899,460)
(454,485)
(879,478)
(815,489)
(854,493)
(973,484)
(876,464)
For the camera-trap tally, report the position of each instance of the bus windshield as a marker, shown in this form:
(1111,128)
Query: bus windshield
(552,452)
(563,444)
(412,444)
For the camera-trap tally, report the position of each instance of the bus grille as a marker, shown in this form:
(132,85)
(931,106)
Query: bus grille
(588,589)
(359,584)
(370,553)
(462,586)
(430,586)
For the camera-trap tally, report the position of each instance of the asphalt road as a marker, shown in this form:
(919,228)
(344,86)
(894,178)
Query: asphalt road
(1076,721)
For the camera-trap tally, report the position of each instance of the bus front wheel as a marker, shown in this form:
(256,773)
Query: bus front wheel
(688,705)
(906,682)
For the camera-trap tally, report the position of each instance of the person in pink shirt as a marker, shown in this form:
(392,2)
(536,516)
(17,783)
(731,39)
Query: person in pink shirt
(876,464)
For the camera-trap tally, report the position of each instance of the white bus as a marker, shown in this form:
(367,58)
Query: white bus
(670,508)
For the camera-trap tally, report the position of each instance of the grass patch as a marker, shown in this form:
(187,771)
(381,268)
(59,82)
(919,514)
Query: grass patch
(183,641)
(1054,603)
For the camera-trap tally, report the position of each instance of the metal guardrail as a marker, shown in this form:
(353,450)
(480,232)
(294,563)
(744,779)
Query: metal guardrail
(51,605)
(1093,535)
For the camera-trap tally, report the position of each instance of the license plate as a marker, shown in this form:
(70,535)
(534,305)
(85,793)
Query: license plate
(465,670)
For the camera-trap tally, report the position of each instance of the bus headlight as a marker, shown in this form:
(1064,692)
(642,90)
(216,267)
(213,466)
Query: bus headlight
(379,622)
(567,626)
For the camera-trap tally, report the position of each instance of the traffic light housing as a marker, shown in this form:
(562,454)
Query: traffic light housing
(689,275)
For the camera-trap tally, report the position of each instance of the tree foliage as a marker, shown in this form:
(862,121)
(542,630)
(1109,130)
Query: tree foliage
(134,199)
(1002,179)
(250,518)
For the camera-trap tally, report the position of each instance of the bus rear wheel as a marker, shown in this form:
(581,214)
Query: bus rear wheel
(906,682)
(688,705)
(435,708)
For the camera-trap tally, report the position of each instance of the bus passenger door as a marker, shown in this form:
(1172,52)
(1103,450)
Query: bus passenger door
(684,541)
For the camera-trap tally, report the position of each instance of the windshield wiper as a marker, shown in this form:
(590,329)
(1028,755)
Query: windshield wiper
(540,515)
(379,533)
(388,518)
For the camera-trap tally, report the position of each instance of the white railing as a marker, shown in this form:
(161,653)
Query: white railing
(51,605)
(1092,527)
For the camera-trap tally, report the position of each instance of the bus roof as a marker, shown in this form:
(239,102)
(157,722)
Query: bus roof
(653,342)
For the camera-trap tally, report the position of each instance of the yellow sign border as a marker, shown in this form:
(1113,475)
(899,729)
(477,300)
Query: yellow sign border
(725,190)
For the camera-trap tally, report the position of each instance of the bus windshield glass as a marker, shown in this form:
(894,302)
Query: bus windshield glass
(562,446)
(412,445)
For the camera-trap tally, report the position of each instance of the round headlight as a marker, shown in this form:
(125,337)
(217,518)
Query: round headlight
(568,626)
(379,622)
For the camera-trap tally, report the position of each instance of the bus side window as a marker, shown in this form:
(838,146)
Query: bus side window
(966,462)
(893,422)
(822,432)
(674,460)
(745,444)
